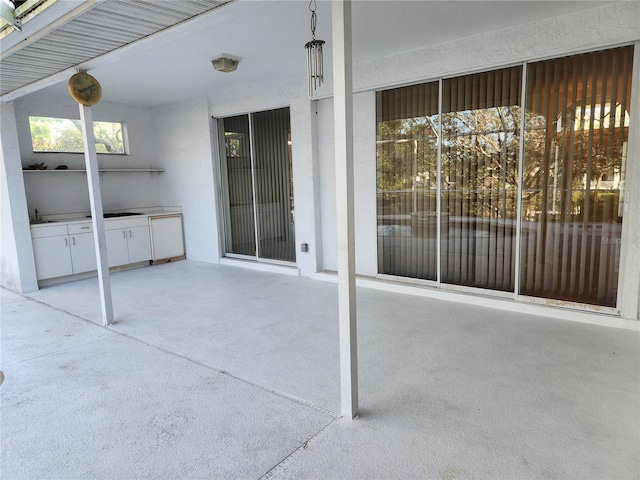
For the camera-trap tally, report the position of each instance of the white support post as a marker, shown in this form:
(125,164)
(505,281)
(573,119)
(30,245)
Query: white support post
(343,124)
(95,198)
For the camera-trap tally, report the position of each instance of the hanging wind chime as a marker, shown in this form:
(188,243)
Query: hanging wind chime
(314,54)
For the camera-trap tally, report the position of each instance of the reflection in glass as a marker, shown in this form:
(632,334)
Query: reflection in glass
(407,154)
(240,230)
(481,118)
(577,126)
(274,185)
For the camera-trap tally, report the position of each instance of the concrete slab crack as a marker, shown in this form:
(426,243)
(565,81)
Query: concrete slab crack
(303,446)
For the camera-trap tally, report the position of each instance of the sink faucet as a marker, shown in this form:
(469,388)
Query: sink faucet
(36,219)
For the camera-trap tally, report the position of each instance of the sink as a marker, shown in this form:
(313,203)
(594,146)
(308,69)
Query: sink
(39,222)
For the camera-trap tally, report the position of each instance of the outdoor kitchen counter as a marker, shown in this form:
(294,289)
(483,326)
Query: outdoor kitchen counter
(86,216)
(64,245)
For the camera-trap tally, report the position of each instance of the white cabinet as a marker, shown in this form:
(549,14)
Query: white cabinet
(83,250)
(60,251)
(52,256)
(117,249)
(167,239)
(63,249)
(128,241)
(139,243)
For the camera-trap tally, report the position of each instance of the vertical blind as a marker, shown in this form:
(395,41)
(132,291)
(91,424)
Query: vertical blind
(258,185)
(240,233)
(407,155)
(481,115)
(274,184)
(577,127)
(576,121)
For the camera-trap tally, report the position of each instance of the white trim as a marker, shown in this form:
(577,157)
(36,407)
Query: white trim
(583,307)
(261,266)
(548,311)
(481,69)
(523,123)
(439,185)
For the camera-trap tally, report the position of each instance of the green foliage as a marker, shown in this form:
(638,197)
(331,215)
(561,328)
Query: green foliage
(65,136)
(480,161)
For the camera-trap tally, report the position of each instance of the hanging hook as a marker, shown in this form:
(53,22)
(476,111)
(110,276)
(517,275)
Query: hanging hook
(313,17)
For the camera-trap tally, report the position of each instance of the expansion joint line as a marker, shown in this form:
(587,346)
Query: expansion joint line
(282,463)
(273,391)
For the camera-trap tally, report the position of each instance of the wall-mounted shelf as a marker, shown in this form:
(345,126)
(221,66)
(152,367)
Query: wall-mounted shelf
(124,170)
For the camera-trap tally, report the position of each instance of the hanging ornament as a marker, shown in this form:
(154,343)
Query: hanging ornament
(314,54)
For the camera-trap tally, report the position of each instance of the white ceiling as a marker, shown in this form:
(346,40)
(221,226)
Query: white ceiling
(269,37)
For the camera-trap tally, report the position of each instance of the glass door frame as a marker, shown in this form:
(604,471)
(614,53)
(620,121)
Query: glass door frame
(225,230)
(514,294)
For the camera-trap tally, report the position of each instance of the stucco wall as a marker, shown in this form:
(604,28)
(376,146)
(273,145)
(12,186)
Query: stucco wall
(53,193)
(183,141)
(17,268)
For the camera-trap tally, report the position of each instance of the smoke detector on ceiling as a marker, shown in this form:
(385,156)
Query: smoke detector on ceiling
(225,63)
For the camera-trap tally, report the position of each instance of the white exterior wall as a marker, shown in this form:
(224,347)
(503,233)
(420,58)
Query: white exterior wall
(55,193)
(17,267)
(608,27)
(184,149)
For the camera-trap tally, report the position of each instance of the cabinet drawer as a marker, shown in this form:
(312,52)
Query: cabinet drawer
(76,228)
(50,230)
(131,222)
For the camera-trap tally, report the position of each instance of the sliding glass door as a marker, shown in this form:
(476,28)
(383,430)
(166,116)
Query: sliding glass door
(407,146)
(456,203)
(479,178)
(576,134)
(258,185)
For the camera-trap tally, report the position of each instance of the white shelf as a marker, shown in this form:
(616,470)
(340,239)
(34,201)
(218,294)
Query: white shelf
(124,170)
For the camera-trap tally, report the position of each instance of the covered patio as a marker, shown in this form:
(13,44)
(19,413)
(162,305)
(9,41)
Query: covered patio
(212,371)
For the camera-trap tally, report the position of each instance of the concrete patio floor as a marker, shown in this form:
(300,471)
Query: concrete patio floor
(213,371)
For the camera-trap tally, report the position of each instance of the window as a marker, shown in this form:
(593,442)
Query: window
(448,181)
(63,135)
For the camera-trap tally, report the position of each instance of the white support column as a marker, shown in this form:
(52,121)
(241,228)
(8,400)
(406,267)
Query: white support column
(343,124)
(95,198)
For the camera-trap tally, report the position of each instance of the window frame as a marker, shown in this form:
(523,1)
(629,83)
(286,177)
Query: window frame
(123,128)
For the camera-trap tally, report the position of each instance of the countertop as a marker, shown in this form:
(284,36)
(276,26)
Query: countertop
(78,217)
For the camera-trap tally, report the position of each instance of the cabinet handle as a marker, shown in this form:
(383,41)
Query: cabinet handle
(129,233)
(66,242)
(124,234)
(73,240)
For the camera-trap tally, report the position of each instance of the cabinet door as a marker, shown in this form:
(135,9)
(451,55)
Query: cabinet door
(139,244)
(167,240)
(83,252)
(52,256)
(117,251)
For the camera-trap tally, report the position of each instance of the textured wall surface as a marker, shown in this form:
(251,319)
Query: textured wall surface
(54,193)
(183,140)
(17,268)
